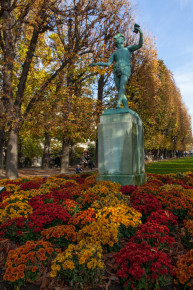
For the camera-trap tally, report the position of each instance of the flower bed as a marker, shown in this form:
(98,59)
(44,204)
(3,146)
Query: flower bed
(71,231)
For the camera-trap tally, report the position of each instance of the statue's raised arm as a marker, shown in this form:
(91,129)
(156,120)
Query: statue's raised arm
(140,44)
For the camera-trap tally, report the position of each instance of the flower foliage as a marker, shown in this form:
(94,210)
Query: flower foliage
(103,188)
(30,185)
(128,189)
(142,266)
(145,203)
(4,194)
(25,262)
(100,232)
(13,229)
(172,198)
(184,269)
(71,206)
(164,217)
(154,234)
(122,214)
(111,200)
(188,236)
(107,227)
(40,217)
(48,214)
(16,210)
(189,227)
(83,218)
(60,236)
(79,264)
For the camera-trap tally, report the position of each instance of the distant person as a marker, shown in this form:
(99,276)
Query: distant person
(147,157)
(58,162)
(89,160)
(84,159)
(78,169)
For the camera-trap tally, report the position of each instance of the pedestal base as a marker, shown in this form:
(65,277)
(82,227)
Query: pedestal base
(137,179)
(121,147)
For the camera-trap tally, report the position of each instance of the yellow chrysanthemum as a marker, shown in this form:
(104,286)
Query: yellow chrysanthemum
(15,210)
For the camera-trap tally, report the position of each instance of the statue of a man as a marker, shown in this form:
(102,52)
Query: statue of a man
(122,67)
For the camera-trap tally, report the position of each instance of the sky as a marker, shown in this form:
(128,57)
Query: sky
(170,22)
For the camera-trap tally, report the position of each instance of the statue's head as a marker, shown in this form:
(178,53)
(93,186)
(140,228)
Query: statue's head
(119,38)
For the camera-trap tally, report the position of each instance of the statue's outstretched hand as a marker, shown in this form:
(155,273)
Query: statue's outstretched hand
(92,64)
(139,29)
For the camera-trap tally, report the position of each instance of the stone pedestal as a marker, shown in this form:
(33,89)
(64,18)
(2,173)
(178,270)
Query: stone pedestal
(121,147)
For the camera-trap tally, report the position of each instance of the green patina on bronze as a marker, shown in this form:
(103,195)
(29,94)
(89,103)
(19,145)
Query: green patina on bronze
(120,148)
(122,66)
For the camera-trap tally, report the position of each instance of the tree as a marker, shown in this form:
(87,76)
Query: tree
(154,95)
(20,21)
(24,25)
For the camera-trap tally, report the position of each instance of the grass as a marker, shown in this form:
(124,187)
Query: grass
(170,166)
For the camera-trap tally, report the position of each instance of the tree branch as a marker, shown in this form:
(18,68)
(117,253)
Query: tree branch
(39,94)
(86,51)
(13,6)
(26,67)
(2,43)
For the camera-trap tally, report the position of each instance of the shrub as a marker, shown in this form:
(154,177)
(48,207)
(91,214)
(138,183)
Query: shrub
(164,217)
(79,264)
(173,199)
(83,218)
(128,189)
(48,215)
(143,267)
(30,185)
(188,237)
(184,269)
(154,234)
(17,231)
(60,236)
(25,263)
(145,203)
(111,200)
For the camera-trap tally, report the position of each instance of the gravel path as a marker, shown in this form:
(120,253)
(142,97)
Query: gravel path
(36,171)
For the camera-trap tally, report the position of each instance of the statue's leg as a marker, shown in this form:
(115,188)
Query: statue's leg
(117,81)
(122,98)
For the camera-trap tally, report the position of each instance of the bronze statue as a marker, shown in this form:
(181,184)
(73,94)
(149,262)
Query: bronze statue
(122,67)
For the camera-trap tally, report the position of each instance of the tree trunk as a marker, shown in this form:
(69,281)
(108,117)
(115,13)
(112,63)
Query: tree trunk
(96,152)
(101,84)
(65,156)
(46,154)
(73,154)
(1,158)
(156,153)
(2,143)
(8,47)
(12,155)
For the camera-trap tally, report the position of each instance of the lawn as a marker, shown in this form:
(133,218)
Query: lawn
(170,166)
